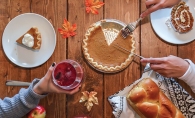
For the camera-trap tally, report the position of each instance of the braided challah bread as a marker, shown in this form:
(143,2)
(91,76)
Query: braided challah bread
(149,101)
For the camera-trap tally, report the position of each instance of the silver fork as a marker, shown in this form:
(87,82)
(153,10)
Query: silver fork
(127,30)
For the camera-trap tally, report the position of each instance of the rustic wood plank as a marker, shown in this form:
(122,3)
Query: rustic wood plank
(126,11)
(4,70)
(151,44)
(148,44)
(92,80)
(13,72)
(154,46)
(9,71)
(55,12)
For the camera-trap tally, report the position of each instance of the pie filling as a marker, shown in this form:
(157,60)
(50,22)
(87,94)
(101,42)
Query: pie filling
(31,39)
(100,51)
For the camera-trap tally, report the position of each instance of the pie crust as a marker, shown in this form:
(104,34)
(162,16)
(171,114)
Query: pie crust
(36,35)
(102,53)
(181,18)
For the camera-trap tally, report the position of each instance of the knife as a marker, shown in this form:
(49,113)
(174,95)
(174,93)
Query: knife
(16,83)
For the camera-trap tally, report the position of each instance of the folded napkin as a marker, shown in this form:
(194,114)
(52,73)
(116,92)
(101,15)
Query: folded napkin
(181,99)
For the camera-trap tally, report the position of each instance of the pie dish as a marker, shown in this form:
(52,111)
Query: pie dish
(99,47)
(181,18)
(35,34)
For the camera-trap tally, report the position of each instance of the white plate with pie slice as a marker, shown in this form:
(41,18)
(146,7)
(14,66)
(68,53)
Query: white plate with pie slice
(24,56)
(168,34)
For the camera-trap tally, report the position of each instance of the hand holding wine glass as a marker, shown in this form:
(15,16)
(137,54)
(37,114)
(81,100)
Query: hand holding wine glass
(46,85)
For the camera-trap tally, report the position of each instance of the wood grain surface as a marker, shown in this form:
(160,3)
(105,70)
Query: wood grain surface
(148,44)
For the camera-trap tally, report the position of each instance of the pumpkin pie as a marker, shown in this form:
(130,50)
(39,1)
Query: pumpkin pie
(181,18)
(102,54)
(32,38)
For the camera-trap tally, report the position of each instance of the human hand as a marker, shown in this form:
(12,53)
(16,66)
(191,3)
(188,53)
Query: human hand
(46,85)
(154,5)
(170,66)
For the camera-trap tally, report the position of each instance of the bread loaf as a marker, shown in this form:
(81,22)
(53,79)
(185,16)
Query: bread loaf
(149,101)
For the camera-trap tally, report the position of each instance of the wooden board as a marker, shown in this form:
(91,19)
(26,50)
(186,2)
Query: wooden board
(92,80)
(148,44)
(126,11)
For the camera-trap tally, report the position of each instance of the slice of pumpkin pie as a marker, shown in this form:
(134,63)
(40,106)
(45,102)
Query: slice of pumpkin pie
(32,38)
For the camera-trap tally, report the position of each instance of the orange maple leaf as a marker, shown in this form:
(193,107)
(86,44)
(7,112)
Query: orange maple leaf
(68,29)
(92,5)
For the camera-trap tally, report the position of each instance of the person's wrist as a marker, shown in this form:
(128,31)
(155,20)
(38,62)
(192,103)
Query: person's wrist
(38,90)
(185,67)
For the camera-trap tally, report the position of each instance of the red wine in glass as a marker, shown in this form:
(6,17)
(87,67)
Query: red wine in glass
(67,74)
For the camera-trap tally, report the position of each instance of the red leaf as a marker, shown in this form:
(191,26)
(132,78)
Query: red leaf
(68,29)
(93,5)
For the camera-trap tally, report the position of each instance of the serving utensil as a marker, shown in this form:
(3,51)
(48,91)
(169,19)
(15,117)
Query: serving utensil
(148,64)
(117,46)
(16,83)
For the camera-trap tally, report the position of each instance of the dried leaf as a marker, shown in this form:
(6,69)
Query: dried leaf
(68,29)
(89,98)
(85,96)
(93,5)
(92,97)
(89,105)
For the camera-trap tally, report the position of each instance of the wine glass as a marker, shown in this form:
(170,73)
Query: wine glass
(67,74)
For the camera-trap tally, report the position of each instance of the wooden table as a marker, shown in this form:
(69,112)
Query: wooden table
(148,44)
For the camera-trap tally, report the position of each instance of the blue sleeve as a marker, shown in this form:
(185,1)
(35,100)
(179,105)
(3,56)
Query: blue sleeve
(21,103)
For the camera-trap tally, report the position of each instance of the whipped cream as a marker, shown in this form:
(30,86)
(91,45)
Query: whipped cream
(28,40)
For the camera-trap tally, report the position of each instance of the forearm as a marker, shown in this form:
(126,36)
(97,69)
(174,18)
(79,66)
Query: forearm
(20,104)
(189,76)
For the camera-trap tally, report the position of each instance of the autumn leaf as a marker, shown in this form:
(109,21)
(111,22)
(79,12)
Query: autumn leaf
(68,29)
(93,5)
(89,98)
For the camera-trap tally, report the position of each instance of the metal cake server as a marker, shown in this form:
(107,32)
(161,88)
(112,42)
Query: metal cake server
(116,45)
(148,65)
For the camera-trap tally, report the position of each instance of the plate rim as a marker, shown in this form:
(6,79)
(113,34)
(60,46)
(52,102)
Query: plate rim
(168,41)
(49,24)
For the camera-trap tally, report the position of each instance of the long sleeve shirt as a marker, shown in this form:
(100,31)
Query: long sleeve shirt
(21,103)
(189,76)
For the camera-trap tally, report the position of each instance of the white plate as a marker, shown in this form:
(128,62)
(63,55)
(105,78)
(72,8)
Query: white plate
(158,20)
(21,55)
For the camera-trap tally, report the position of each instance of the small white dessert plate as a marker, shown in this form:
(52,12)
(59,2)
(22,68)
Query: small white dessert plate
(168,34)
(24,56)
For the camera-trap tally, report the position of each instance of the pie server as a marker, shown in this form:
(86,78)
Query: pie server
(147,65)
(16,83)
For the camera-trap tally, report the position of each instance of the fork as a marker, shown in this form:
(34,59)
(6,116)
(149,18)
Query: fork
(127,30)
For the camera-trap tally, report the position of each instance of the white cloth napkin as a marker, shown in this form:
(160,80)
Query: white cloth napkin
(181,99)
